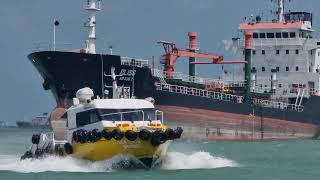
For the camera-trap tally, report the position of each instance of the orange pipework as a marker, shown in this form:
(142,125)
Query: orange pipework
(172,53)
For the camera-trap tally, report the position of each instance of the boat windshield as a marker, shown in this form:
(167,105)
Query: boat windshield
(127,114)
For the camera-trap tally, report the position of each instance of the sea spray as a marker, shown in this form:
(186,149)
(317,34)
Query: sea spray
(197,160)
(172,161)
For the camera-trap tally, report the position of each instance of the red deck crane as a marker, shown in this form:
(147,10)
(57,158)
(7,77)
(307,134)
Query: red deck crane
(172,53)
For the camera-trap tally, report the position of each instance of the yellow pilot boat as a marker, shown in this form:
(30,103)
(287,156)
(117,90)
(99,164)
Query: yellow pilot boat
(99,129)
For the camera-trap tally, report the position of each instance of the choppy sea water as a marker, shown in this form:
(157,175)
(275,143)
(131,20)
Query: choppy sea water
(185,160)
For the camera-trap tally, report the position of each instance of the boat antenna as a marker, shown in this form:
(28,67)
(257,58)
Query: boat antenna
(133,62)
(280,11)
(110,49)
(55,24)
(92,7)
(115,89)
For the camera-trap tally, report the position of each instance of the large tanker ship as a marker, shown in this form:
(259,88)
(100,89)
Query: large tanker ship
(276,92)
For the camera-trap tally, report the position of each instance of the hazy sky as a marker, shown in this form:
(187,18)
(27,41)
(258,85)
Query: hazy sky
(132,26)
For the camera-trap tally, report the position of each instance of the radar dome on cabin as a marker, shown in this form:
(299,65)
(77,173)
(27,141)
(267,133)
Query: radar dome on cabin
(84,94)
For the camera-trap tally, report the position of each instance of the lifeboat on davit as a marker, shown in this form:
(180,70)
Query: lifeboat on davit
(100,129)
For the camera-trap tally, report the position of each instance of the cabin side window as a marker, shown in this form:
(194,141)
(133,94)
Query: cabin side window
(255,36)
(86,117)
(82,118)
(263,35)
(278,35)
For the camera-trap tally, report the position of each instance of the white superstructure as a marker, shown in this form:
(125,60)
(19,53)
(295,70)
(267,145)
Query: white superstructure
(286,57)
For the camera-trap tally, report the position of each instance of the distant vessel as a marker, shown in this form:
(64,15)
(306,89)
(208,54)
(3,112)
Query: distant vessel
(279,86)
(41,121)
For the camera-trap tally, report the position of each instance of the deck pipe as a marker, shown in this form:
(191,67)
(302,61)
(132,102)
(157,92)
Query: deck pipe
(192,48)
(247,68)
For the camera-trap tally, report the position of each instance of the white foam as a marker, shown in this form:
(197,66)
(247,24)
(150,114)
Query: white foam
(52,163)
(172,161)
(197,160)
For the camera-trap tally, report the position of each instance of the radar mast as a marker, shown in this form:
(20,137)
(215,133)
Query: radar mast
(92,7)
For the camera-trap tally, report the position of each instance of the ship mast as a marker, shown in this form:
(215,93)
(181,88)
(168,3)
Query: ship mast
(280,11)
(92,7)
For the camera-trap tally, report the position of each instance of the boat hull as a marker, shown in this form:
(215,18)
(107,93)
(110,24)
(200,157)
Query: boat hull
(65,72)
(103,149)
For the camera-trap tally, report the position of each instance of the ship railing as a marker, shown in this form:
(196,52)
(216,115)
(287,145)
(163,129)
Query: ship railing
(134,61)
(279,105)
(119,115)
(160,74)
(159,116)
(51,137)
(58,47)
(200,92)
(226,97)
(216,83)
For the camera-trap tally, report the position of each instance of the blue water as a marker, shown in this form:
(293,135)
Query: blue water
(185,160)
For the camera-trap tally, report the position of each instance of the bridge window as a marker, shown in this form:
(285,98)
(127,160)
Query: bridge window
(285,35)
(278,51)
(255,35)
(262,35)
(278,35)
(263,52)
(270,35)
(263,69)
(278,69)
(292,34)
(297,51)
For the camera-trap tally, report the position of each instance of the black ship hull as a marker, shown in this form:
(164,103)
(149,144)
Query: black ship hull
(66,72)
